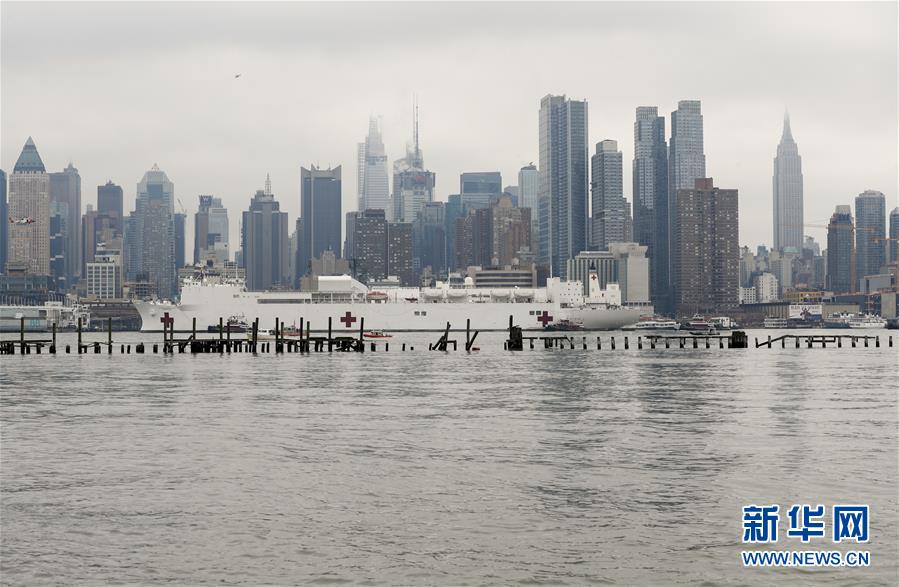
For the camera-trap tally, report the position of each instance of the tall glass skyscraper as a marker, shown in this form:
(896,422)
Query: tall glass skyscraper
(870,232)
(650,184)
(563,182)
(607,195)
(788,218)
(373,188)
(841,252)
(893,243)
(686,160)
(528,195)
(65,221)
(320,204)
(153,241)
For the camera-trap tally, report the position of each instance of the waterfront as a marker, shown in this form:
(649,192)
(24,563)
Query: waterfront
(561,466)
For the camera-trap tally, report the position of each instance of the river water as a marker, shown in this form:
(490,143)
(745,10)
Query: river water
(544,466)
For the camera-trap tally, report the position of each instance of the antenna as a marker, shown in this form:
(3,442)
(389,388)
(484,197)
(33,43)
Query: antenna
(268,184)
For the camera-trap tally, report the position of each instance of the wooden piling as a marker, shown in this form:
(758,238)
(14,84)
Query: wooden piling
(79,335)
(54,336)
(626,345)
(639,343)
(361,347)
(22,334)
(613,343)
(109,334)
(329,335)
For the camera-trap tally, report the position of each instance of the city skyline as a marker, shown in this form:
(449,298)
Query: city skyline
(742,111)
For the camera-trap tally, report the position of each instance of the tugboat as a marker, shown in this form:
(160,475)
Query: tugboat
(563,326)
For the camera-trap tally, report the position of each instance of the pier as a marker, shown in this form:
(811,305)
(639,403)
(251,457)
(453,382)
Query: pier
(302,341)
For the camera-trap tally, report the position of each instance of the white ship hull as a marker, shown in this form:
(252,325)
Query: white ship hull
(393,317)
(351,306)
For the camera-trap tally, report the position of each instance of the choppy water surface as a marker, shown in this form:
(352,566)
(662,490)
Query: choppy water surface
(555,466)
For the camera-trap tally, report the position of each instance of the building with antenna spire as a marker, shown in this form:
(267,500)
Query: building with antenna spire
(372,185)
(264,237)
(413,185)
(788,213)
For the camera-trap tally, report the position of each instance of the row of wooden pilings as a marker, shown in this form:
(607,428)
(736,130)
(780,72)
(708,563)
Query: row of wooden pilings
(736,340)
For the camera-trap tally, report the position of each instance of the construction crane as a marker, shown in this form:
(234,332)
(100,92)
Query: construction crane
(183,209)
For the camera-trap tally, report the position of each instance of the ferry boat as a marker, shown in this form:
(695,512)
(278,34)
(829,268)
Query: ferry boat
(42,318)
(699,325)
(840,320)
(867,321)
(351,305)
(563,326)
(772,322)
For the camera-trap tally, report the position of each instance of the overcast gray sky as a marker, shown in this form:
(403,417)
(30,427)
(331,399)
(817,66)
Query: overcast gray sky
(116,88)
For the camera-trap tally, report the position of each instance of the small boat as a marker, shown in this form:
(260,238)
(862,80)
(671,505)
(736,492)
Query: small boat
(867,321)
(376,334)
(286,332)
(233,324)
(563,326)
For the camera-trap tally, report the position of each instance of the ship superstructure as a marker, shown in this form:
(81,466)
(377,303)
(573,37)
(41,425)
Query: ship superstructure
(347,302)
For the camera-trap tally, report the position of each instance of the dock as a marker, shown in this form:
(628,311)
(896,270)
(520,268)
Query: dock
(305,342)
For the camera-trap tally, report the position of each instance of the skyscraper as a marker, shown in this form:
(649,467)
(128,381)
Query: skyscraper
(211,231)
(528,197)
(320,203)
(264,239)
(841,252)
(453,212)
(788,218)
(29,213)
(893,243)
(705,251)
(429,243)
(510,232)
(686,158)
(154,232)
(104,226)
(109,204)
(399,252)
(562,181)
(413,185)
(368,251)
(180,219)
(374,192)
(651,211)
(4,223)
(65,220)
(870,230)
(608,195)
(480,188)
